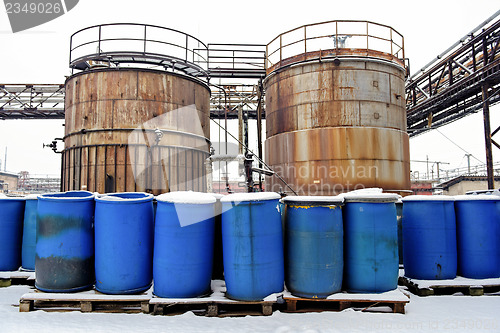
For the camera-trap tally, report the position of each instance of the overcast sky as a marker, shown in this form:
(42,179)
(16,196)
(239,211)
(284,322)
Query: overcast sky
(40,55)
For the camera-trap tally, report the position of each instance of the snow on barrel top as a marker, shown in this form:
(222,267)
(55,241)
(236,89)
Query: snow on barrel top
(187,197)
(254,196)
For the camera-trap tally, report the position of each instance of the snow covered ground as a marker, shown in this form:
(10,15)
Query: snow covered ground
(423,314)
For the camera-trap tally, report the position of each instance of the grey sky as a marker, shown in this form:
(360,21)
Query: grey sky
(40,55)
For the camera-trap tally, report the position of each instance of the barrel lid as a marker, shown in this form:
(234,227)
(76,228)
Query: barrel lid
(373,197)
(478,197)
(31,197)
(253,196)
(428,198)
(70,195)
(4,197)
(314,200)
(125,197)
(369,195)
(187,197)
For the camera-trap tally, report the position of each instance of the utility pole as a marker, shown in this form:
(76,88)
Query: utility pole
(427,156)
(487,136)
(468,162)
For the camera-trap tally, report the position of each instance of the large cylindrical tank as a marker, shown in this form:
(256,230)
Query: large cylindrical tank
(478,244)
(371,261)
(124,242)
(64,259)
(335,117)
(135,130)
(314,245)
(29,233)
(183,244)
(252,241)
(11,232)
(429,237)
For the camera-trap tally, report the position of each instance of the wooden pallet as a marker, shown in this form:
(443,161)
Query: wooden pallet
(449,287)
(89,301)
(211,308)
(17,278)
(395,300)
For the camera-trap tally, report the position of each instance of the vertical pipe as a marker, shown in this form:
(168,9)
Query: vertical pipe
(95,169)
(240,129)
(259,130)
(487,137)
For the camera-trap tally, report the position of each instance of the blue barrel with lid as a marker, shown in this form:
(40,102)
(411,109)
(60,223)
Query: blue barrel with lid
(29,233)
(314,245)
(124,242)
(252,241)
(64,259)
(371,262)
(11,232)
(429,237)
(478,231)
(183,244)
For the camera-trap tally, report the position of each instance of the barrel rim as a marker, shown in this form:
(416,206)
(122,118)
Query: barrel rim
(187,197)
(66,196)
(371,197)
(477,197)
(253,196)
(142,197)
(314,200)
(427,198)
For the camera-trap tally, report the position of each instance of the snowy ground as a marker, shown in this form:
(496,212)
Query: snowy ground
(423,314)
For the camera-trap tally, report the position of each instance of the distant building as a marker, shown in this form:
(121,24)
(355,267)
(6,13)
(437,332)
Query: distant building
(422,187)
(463,184)
(8,181)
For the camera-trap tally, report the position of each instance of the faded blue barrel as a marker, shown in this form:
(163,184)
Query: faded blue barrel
(252,240)
(124,242)
(429,237)
(11,232)
(183,244)
(314,245)
(29,233)
(478,244)
(371,262)
(65,242)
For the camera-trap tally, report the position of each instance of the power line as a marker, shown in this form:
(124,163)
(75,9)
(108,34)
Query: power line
(458,146)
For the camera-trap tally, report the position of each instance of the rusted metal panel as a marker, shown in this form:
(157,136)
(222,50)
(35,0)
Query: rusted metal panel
(103,154)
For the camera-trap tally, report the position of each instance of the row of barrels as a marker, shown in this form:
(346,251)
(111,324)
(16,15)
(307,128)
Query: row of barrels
(445,236)
(317,245)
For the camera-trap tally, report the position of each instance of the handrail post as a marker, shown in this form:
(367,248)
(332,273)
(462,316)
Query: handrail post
(305,41)
(99,42)
(187,44)
(281,48)
(145,38)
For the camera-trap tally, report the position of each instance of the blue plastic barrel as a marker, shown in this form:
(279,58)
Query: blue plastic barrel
(371,262)
(124,234)
(11,232)
(478,244)
(429,237)
(253,245)
(65,242)
(29,233)
(314,245)
(183,244)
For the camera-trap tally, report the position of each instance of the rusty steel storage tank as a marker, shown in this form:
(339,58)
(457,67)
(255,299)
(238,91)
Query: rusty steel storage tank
(335,108)
(133,128)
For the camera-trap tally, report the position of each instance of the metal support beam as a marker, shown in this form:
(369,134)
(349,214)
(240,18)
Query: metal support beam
(487,138)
